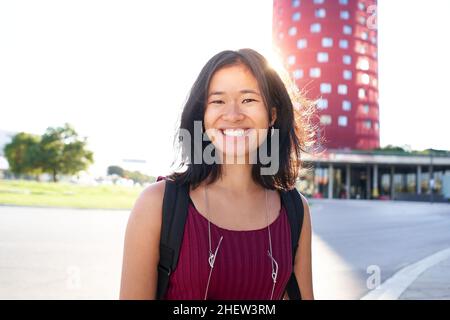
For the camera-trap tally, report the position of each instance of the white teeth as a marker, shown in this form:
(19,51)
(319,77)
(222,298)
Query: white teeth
(234,132)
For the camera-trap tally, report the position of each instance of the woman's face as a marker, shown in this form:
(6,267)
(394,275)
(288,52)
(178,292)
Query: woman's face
(236,118)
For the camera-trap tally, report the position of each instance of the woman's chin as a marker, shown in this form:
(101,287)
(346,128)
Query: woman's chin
(232,156)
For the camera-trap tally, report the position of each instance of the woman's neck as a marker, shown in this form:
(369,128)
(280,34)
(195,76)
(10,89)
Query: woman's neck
(236,179)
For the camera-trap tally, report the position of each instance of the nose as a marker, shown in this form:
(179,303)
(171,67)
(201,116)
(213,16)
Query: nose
(233,112)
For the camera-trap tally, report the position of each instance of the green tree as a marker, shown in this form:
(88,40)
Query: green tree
(138,177)
(115,170)
(63,152)
(23,154)
(391,148)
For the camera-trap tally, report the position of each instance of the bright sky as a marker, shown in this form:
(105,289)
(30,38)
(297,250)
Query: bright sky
(120,71)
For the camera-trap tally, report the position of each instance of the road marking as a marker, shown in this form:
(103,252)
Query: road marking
(393,287)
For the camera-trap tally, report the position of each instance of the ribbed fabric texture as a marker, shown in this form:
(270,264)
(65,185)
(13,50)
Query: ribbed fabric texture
(242,270)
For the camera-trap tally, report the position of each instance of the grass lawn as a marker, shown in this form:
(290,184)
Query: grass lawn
(32,193)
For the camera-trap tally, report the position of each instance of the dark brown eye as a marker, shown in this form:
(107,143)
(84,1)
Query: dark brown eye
(248,100)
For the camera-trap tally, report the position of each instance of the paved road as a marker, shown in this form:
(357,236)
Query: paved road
(48,253)
(355,239)
(60,253)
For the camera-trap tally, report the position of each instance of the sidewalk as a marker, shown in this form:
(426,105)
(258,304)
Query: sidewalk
(433,284)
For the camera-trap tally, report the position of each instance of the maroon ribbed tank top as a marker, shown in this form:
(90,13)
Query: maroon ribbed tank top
(242,269)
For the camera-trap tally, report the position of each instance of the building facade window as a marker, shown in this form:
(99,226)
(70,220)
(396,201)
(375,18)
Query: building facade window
(325,87)
(346,59)
(319,1)
(343,44)
(342,121)
(360,48)
(325,119)
(322,57)
(298,73)
(291,60)
(361,93)
(320,13)
(362,20)
(346,105)
(365,79)
(343,2)
(292,31)
(347,74)
(364,35)
(374,82)
(345,15)
(296,16)
(361,6)
(373,96)
(302,43)
(342,89)
(327,42)
(363,64)
(314,72)
(295,3)
(315,28)
(322,104)
(347,30)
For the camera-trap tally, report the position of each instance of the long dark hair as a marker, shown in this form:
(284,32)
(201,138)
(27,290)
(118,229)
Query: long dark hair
(295,131)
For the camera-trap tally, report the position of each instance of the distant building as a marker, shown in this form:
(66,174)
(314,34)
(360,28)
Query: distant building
(377,175)
(330,48)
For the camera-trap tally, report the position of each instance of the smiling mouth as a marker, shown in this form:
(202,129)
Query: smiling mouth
(238,132)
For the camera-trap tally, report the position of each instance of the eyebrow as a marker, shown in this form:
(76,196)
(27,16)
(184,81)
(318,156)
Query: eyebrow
(242,91)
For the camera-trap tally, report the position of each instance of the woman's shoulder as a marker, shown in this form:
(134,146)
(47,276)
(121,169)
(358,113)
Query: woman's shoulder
(306,225)
(141,246)
(154,190)
(304,201)
(148,206)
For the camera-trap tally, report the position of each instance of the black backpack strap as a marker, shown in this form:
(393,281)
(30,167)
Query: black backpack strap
(175,206)
(294,207)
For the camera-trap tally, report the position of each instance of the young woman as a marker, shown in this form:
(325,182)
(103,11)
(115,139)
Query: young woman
(235,211)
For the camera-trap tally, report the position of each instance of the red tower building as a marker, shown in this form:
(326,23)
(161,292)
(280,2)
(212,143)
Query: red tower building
(330,48)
